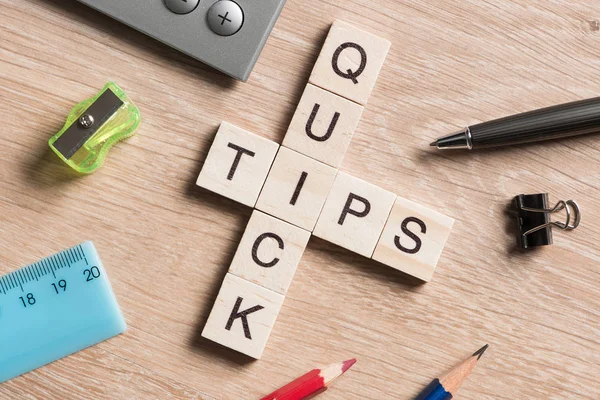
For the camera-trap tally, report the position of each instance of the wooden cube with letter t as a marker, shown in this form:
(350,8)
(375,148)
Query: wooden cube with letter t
(413,239)
(243,316)
(237,164)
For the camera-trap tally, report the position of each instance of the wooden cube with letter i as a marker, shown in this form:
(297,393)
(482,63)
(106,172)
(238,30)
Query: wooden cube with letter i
(297,190)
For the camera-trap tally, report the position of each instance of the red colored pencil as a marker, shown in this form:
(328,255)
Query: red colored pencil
(312,383)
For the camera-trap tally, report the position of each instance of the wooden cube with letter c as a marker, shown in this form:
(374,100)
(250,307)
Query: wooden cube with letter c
(269,252)
(413,239)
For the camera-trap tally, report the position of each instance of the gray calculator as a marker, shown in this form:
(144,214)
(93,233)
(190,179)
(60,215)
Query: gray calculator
(227,35)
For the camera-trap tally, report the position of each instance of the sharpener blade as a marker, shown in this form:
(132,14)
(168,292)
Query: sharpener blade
(76,135)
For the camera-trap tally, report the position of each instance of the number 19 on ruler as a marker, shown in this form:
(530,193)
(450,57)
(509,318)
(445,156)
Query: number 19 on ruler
(53,308)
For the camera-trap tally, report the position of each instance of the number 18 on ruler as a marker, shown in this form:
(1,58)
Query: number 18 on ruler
(53,308)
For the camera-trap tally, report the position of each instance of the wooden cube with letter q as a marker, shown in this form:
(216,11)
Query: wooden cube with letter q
(413,239)
(243,316)
(350,62)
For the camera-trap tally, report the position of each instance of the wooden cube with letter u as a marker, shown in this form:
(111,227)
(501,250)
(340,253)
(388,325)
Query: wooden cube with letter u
(243,316)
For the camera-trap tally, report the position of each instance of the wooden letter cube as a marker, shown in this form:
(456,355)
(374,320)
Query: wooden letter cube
(237,164)
(323,125)
(349,62)
(413,239)
(269,252)
(296,188)
(354,214)
(243,316)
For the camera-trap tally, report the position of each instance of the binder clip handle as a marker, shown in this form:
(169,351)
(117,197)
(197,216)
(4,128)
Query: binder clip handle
(534,218)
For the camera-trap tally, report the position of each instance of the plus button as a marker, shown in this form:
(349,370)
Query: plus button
(224,18)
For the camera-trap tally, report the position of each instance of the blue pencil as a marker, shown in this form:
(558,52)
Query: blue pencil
(446,387)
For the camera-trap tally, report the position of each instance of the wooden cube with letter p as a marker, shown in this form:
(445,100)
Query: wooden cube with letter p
(354,214)
(243,316)
(237,164)
(413,239)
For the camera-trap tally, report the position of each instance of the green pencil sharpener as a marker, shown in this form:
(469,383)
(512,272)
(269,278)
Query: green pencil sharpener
(93,127)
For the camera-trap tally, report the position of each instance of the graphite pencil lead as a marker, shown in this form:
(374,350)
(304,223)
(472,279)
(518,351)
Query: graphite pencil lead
(480,352)
(433,144)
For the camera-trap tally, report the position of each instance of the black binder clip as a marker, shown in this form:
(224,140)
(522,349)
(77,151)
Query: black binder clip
(534,218)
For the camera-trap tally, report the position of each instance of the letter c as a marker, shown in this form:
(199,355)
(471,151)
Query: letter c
(256,245)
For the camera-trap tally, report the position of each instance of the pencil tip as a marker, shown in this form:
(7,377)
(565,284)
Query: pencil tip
(433,144)
(480,352)
(347,364)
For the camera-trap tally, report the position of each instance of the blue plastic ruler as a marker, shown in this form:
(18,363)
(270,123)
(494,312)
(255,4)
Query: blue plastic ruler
(53,308)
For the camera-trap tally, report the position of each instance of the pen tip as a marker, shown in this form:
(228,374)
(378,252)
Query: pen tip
(347,364)
(433,144)
(480,352)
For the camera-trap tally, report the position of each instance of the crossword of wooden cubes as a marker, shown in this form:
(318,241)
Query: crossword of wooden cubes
(297,191)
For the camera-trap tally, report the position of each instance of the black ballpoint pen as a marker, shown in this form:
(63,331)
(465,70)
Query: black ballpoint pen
(563,120)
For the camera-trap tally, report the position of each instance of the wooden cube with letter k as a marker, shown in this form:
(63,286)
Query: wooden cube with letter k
(243,316)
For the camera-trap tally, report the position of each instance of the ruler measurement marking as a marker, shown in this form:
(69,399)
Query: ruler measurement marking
(65,257)
(19,281)
(24,278)
(28,274)
(73,261)
(61,260)
(55,265)
(21,278)
(39,269)
(83,254)
(51,265)
(36,271)
(68,257)
(46,265)
(2,284)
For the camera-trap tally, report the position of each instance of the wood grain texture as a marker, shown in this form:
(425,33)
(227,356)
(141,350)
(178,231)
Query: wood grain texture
(167,244)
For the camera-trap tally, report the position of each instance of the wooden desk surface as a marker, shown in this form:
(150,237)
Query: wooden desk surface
(166,244)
